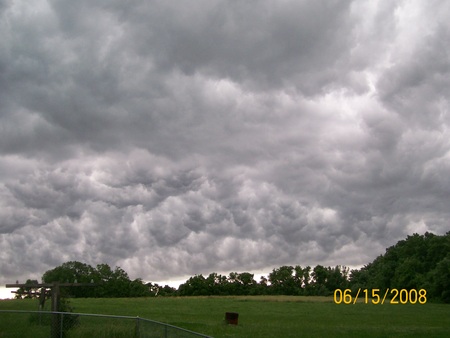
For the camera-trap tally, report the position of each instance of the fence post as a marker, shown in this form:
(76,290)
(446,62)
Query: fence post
(137,329)
(56,300)
(62,325)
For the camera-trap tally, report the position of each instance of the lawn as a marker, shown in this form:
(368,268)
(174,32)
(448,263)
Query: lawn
(264,316)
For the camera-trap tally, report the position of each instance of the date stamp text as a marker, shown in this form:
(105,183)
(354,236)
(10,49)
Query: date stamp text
(376,296)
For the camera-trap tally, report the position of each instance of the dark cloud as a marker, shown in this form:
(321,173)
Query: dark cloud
(176,138)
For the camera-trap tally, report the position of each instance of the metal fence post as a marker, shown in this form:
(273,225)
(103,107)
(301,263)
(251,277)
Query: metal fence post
(137,330)
(62,325)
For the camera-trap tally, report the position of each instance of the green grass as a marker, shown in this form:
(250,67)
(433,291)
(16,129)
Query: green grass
(260,316)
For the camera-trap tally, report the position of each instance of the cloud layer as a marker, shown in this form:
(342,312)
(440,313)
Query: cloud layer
(177,138)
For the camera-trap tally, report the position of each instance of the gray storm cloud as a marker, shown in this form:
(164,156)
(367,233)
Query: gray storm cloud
(185,137)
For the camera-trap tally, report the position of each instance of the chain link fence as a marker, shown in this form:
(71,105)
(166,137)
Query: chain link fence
(46,324)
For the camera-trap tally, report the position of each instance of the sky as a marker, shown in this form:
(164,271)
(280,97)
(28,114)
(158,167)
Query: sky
(175,138)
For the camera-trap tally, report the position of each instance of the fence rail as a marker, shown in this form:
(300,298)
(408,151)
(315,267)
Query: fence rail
(36,324)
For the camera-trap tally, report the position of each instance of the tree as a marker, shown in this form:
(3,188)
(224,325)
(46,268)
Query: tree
(112,283)
(240,283)
(216,284)
(306,280)
(337,278)
(320,276)
(137,288)
(302,279)
(417,262)
(194,286)
(359,279)
(439,277)
(103,277)
(167,290)
(69,272)
(262,287)
(108,282)
(282,281)
(72,272)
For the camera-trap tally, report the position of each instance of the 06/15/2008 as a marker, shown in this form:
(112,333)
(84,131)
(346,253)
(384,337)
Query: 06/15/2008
(402,296)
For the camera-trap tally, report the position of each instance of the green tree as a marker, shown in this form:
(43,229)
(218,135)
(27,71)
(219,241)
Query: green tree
(282,281)
(194,286)
(320,276)
(112,283)
(240,283)
(216,284)
(262,287)
(359,279)
(417,262)
(137,288)
(306,280)
(106,281)
(439,285)
(72,272)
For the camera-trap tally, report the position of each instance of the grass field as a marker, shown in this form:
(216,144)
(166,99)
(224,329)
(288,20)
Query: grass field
(268,316)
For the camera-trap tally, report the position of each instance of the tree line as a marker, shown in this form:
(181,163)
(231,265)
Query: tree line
(285,280)
(418,262)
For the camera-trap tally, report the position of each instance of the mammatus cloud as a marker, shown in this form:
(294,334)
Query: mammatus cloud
(177,138)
